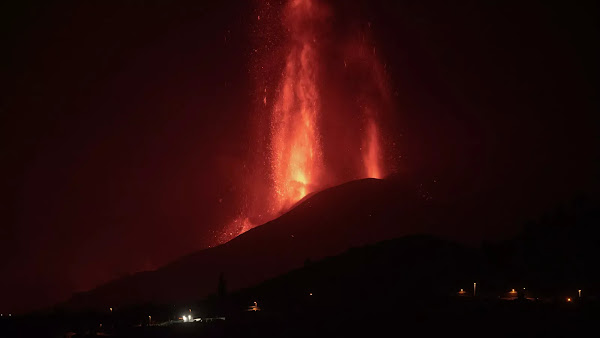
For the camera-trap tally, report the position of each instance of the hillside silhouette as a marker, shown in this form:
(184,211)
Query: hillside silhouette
(413,284)
(324,224)
(550,254)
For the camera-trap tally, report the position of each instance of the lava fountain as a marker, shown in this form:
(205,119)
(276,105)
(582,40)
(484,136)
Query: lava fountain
(371,151)
(296,155)
(320,97)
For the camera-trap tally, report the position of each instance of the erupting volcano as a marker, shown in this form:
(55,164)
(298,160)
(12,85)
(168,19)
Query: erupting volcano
(321,97)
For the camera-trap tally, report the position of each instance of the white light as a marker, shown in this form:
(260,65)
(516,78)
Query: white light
(190,318)
(184,319)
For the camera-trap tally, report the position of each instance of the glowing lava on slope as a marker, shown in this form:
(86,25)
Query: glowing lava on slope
(328,94)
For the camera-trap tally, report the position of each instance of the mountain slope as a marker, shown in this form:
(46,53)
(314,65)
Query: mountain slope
(329,222)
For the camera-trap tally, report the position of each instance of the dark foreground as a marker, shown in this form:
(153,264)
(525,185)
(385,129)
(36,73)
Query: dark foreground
(452,317)
(542,283)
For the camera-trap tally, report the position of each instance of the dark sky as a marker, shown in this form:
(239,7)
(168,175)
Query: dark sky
(124,127)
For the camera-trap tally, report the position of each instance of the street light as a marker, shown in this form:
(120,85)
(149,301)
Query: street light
(579,291)
(474,288)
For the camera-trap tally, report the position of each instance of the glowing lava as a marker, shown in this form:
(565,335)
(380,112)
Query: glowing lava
(296,155)
(322,127)
(371,151)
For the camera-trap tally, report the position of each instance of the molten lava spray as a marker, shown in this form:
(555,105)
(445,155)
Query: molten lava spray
(296,155)
(371,151)
(322,93)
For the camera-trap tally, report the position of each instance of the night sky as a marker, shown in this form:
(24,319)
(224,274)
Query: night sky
(124,127)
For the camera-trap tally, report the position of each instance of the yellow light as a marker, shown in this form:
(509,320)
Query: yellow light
(310,294)
(513,291)
(110,308)
(568,299)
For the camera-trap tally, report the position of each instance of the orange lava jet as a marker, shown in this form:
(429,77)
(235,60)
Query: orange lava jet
(371,151)
(296,155)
